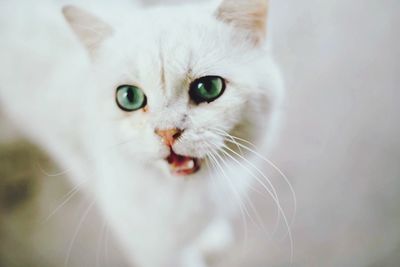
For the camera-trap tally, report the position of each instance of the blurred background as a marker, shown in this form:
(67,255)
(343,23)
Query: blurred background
(339,146)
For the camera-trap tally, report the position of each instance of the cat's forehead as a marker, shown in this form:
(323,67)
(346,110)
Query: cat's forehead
(173,50)
(185,30)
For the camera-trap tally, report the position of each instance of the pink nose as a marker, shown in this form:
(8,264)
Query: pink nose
(169,136)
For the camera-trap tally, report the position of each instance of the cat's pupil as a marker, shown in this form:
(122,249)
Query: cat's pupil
(130,96)
(207,86)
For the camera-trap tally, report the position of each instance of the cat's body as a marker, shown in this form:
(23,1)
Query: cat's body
(339,143)
(62,95)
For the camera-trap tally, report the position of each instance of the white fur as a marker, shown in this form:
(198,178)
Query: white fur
(64,99)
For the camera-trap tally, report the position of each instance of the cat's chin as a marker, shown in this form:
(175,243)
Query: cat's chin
(182,165)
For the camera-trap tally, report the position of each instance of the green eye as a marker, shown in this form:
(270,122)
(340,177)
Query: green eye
(130,98)
(207,89)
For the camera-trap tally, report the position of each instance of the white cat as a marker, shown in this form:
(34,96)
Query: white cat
(139,109)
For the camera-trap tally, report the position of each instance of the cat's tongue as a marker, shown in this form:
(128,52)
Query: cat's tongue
(182,165)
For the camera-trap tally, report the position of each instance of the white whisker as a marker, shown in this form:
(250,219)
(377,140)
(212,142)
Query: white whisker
(273,165)
(271,191)
(78,228)
(246,198)
(100,243)
(274,198)
(106,249)
(243,210)
(67,197)
(53,174)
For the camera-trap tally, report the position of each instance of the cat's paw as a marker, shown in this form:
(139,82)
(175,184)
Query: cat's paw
(192,257)
(216,239)
(212,243)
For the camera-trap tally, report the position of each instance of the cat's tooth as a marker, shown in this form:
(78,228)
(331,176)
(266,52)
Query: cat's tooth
(190,164)
(187,165)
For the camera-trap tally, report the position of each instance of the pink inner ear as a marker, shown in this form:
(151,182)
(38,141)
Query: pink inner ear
(90,30)
(248,15)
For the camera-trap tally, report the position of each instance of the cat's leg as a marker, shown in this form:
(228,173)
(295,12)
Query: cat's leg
(213,242)
(192,257)
(216,239)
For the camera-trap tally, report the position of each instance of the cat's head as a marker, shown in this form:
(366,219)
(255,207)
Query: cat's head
(174,81)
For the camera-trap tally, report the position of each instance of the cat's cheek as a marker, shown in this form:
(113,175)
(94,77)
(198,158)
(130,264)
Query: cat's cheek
(132,137)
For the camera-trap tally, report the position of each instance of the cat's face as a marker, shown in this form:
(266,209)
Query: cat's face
(172,82)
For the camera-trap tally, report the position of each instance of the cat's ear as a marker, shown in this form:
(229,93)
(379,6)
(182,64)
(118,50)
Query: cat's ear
(90,30)
(249,16)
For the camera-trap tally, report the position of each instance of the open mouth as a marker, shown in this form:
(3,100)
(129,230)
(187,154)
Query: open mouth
(182,165)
